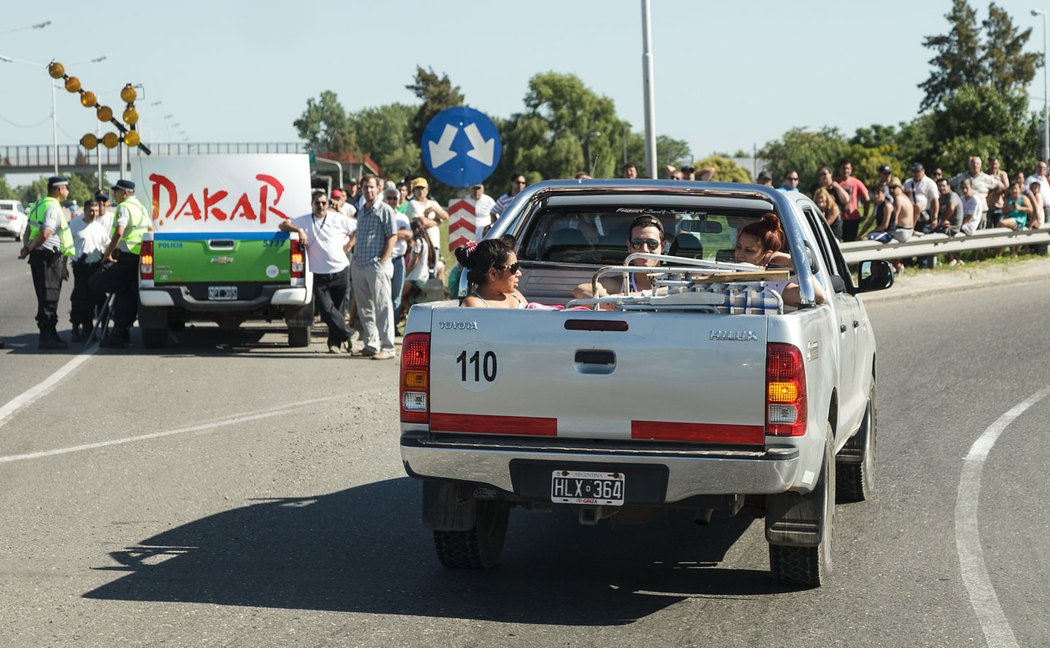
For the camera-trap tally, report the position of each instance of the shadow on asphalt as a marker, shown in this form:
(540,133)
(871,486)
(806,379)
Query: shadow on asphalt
(365,550)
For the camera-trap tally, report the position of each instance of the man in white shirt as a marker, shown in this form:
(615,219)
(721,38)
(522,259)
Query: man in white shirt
(90,240)
(328,236)
(923,192)
(483,204)
(983,185)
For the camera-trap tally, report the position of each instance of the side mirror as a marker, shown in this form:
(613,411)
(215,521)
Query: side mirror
(875,275)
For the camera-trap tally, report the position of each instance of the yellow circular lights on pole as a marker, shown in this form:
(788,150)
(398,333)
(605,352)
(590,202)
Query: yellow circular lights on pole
(131,116)
(105,113)
(132,138)
(72,84)
(110,140)
(88,99)
(56,70)
(128,94)
(89,141)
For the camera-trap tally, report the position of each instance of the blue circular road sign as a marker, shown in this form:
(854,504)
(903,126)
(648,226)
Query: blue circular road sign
(461,146)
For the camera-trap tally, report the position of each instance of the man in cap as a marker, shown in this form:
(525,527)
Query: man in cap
(120,269)
(47,241)
(430,214)
(338,203)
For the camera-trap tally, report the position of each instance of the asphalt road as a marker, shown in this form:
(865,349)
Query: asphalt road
(232,492)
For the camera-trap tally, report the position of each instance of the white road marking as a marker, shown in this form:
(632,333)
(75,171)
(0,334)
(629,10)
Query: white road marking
(29,396)
(234,419)
(997,631)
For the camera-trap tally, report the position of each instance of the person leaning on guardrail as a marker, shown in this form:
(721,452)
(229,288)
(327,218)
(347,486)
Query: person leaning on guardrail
(950,210)
(1017,210)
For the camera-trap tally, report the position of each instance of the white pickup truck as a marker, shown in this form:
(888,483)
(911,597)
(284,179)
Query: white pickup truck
(709,395)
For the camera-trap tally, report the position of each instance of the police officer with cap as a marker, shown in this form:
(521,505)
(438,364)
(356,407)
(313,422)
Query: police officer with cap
(120,270)
(47,241)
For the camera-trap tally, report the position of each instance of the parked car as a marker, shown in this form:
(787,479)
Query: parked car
(12,218)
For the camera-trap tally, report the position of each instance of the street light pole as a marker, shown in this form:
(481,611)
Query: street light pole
(1044,149)
(647,84)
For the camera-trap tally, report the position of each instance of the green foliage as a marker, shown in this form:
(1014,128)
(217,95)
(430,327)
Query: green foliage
(964,59)
(385,133)
(437,93)
(669,151)
(805,151)
(726,170)
(6,191)
(984,121)
(323,125)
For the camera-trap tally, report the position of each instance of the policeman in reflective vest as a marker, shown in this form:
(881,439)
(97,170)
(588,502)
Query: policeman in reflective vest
(120,269)
(47,241)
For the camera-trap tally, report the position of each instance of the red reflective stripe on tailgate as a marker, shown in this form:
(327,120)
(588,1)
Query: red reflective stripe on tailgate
(700,432)
(485,424)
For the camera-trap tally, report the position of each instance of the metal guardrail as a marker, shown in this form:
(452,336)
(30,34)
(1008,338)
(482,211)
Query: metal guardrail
(934,244)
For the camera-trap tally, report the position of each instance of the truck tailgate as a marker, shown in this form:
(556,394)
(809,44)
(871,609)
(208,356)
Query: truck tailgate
(221,258)
(599,375)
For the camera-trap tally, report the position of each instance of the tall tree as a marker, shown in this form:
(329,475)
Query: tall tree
(1006,65)
(670,151)
(385,133)
(957,55)
(804,150)
(6,192)
(437,93)
(323,125)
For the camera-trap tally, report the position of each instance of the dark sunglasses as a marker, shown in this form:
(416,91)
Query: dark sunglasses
(652,244)
(514,267)
(795,179)
(390,199)
(322,203)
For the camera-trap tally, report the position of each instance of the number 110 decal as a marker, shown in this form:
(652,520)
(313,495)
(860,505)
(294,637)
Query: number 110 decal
(476,369)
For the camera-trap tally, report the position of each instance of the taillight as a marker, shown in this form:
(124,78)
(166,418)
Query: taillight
(146,261)
(415,378)
(298,266)
(785,391)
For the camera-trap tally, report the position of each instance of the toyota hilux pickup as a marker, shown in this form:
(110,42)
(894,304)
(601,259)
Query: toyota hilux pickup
(707,392)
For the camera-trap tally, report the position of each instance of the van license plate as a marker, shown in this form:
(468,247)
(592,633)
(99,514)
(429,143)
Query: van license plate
(586,487)
(222,293)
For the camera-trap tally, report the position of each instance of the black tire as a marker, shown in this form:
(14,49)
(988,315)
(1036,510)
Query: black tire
(855,481)
(480,547)
(154,338)
(810,566)
(299,336)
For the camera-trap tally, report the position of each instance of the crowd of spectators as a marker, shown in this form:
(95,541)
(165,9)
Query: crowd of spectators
(927,203)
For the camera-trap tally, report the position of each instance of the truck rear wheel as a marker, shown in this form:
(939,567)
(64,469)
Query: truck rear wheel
(479,547)
(810,566)
(855,481)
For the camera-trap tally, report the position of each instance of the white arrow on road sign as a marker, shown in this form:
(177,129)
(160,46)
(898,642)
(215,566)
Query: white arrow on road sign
(483,149)
(441,151)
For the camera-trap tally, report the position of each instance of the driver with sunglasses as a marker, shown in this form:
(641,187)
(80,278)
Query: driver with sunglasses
(645,235)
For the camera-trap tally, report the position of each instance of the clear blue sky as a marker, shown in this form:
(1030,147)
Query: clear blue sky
(727,75)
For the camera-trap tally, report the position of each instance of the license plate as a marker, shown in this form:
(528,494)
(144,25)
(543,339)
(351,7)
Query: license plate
(222,293)
(586,487)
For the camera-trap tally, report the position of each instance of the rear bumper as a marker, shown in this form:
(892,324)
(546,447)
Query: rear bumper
(689,472)
(180,297)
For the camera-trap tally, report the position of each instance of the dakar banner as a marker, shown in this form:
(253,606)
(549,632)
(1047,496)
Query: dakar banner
(222,193)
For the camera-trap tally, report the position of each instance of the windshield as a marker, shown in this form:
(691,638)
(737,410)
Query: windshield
(598,235)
